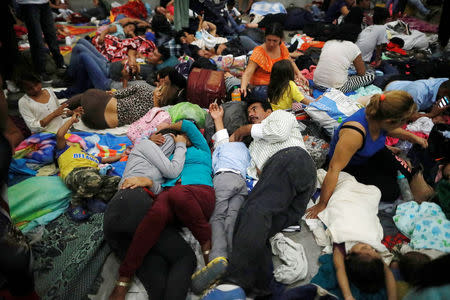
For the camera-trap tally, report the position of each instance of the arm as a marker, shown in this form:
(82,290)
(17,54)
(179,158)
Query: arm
(378,52)
(402,134)
(348,144)
(60,139)
(132,20)
(341,275)
(195,136)
(298,75)
(132,60)
(33,123)
(359,65)
(391,286)
(111,29)
(221,136)
(248,73)
(111,159)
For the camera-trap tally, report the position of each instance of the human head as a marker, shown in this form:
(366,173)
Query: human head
(392,109)
(162,75)
(184,37)
(364,4)
(159,55)
(411,265)
(444,90)
(364,268)
(116,70)
(258,110)
(160,24)
(282,73)
(160,10)
(380,15)
(273,36)
(129,29)
(355,16)
(231,4)
(31,84)
(168,131)
(346,32)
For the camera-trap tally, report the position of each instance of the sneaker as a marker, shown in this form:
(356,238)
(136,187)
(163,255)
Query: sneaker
(204,278)
(78,214)
(225,292)
(46,79)
(96,206)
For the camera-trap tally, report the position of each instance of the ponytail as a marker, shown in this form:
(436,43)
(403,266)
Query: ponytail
(394,105)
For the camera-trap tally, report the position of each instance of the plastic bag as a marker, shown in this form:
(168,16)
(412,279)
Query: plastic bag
(188,111)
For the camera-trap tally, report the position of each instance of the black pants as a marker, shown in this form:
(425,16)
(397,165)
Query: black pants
(444,24)
(381,171)
(166,270)
(278,200)
(39,20)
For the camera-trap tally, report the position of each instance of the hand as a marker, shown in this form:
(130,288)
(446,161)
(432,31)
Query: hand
(134,182)
(100,40)
(162,126)
(60,110)
(239,134)
(158,139)
(313,211)
(422,142)
(179,138)
(79,110)
(75,117)
(300,78)
(216,111)
(436,110)
(243,91)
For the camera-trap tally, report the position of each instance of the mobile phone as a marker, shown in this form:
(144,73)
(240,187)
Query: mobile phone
(443,102)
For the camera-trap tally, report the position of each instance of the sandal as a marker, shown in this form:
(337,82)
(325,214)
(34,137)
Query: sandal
(78,214)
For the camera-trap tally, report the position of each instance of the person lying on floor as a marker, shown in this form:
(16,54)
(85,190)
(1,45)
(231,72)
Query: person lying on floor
(230,162)
(287,179)
(425,92)
(166,269)
(358,147)
(123,107)
(123,28)
(39,107)
(188,198)
(80,172)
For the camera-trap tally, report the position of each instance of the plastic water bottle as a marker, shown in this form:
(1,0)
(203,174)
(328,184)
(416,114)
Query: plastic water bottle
(236,95)
(405,190)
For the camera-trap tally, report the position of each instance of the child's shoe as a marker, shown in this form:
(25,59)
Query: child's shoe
(204,278)
(96,206)
(78,213)
(225,292)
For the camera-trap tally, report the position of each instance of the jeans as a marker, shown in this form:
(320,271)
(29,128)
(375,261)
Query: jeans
(277,201)
(247,43)
(419,5)
(84,46)
(39,20)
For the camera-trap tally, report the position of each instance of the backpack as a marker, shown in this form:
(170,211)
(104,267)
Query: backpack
(145,126)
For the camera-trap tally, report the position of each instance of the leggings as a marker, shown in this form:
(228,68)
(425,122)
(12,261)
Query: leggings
(167,268)
(94,104)
(355,82)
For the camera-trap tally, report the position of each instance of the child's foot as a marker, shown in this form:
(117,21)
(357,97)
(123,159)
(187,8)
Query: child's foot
(204,278)
(96,206)
(78,213)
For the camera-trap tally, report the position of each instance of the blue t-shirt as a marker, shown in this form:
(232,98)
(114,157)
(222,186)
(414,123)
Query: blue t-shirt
(369,148)
(423,91)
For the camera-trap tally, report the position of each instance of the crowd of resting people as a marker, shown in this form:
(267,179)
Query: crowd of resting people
(174,178)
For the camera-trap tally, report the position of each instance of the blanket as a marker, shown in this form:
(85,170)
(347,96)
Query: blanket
(263,8)
(69,257)
(115,49)
(425,224)
(132,9)
(38,148)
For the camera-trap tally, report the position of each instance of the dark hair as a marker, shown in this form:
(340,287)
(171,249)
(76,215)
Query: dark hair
(275,29)
(27,78)
(160,24)
(355,16)
(204,63)
(435,273)
(411,265)
(169,130)
(194,51)
(130,23)
(178,36)
(115,70)
(380,15)
(445,85)
(164,51)
(252,100)
(365,272)
(177,79)
(282,73)
(231,2)
(398,41)
(346,32)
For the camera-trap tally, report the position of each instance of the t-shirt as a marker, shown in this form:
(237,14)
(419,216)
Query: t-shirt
(335,59)
(334,11)
(291,94)
(72,157)
(369,38)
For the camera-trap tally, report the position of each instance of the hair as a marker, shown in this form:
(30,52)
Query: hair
(170,131)
(28,79)
(380,15)
(130,23)
(169,95)
(355,16)
(398,41)
(204,63)
(445,86)
(231,2)
(365,272)
(275,29)
(194,51)
(252,100)
(164,51)
(411,265)
(346,32)
(282,73)
(176,78)
(160,24)
(115,70)
(435,273)
(397,105)
(178,36)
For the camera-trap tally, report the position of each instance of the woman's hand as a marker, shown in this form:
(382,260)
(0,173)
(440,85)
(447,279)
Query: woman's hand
(301,79)
(158,139)
(179,138)
(422,142)
(135,182)
(60,110)
(243,91)
(313,211)
(216,111)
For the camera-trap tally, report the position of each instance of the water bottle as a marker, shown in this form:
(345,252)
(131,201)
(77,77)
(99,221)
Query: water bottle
(236,95)
(405,190)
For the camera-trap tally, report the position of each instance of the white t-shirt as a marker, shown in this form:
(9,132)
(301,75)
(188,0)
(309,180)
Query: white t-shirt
(33,112)
(369,38)
(335,59)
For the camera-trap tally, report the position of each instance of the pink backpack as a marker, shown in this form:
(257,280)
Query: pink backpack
(146,125)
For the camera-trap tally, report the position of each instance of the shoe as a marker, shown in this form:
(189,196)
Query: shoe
(225,292)
(96,206)
(204,278)
(78,214)
(46,79)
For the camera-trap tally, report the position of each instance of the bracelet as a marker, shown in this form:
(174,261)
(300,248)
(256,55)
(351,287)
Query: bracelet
(206,252)
(123,283)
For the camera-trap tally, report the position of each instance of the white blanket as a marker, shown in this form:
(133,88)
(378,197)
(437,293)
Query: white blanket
(351,213)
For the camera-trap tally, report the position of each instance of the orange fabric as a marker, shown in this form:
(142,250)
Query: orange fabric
(316,44)
(265,64)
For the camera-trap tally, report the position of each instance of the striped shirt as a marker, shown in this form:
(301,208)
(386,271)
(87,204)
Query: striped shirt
(278,131)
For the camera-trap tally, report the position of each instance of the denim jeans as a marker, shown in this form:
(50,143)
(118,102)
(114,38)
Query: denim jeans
(247,43)
(84,46)
(39,20)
